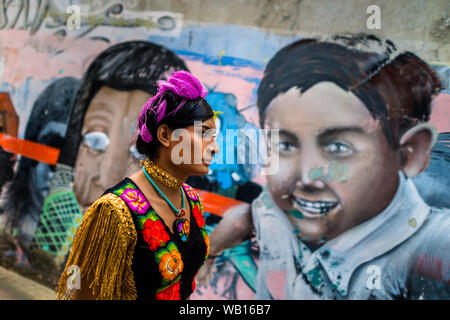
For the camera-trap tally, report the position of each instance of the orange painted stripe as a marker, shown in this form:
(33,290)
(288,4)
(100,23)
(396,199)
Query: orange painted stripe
(29,149)
(215,203)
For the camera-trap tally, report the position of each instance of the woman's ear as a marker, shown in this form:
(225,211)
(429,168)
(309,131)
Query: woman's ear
(415,148)
(164,134)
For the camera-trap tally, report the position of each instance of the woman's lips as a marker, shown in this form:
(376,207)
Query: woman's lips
(313,209)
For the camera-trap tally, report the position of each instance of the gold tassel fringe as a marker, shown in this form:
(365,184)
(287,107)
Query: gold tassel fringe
(103,250)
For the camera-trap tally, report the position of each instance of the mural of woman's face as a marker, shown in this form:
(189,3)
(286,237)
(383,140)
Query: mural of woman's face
(104,156)
(336,167)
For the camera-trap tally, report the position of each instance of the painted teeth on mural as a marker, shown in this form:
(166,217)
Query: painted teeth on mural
(316,207)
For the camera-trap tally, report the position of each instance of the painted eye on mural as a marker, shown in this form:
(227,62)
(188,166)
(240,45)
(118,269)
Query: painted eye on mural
(133,151)
(285,146)
(339,148)
(96,140)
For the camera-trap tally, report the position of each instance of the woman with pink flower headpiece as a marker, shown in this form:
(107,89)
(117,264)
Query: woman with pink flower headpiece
(145,237)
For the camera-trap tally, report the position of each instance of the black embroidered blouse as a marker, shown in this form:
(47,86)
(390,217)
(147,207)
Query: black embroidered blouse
(163,265)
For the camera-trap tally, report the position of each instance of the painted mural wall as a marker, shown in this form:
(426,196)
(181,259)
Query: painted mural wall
(49,101)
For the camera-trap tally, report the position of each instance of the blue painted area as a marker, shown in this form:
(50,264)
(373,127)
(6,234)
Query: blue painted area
(223,61)
(23,98)
(216,60)
(210,40)
(230,119)
(434,183)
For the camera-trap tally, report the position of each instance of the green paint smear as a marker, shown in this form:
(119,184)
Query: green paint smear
(338,172)
(334,264)
(314,277)
(295,213)
(315,173)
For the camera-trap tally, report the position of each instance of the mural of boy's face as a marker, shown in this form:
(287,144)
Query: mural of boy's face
(104,156)
(336,167)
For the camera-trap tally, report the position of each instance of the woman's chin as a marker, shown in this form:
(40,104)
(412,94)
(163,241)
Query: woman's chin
(199,170)
(205,168)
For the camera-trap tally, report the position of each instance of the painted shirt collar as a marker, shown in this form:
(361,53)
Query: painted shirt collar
(340,256)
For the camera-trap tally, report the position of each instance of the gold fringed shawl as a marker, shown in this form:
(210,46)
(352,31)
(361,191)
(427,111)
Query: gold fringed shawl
(103,250)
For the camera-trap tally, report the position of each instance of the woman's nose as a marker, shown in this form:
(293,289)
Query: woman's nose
(212,148)
(215,148)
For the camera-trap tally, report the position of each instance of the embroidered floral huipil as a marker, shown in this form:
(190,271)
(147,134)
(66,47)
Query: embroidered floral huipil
(126,250)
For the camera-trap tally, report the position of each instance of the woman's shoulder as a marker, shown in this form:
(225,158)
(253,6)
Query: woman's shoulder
(104,241)
(111,207)
(111,199)
(114,205)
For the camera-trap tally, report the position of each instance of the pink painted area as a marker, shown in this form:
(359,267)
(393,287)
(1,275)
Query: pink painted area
(243,292)
(261,180)
(224,288)
(440,114)
(431,267)
(34,56)
(276,284)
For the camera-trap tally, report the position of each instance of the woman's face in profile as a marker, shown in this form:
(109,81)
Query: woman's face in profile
(104,156)
(201,147)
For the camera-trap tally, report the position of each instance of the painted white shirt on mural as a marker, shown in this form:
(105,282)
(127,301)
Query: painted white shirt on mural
(402,253)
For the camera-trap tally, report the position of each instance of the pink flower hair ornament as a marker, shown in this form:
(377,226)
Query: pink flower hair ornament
(181,83)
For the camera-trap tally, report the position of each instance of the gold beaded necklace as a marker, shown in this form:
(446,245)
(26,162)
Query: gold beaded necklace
(161,175)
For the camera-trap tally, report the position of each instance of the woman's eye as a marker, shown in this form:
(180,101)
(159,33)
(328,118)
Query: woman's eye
(208,134)
(339,148)
(96,140)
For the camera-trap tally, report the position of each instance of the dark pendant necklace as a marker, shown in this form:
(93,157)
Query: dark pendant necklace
(181,225)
